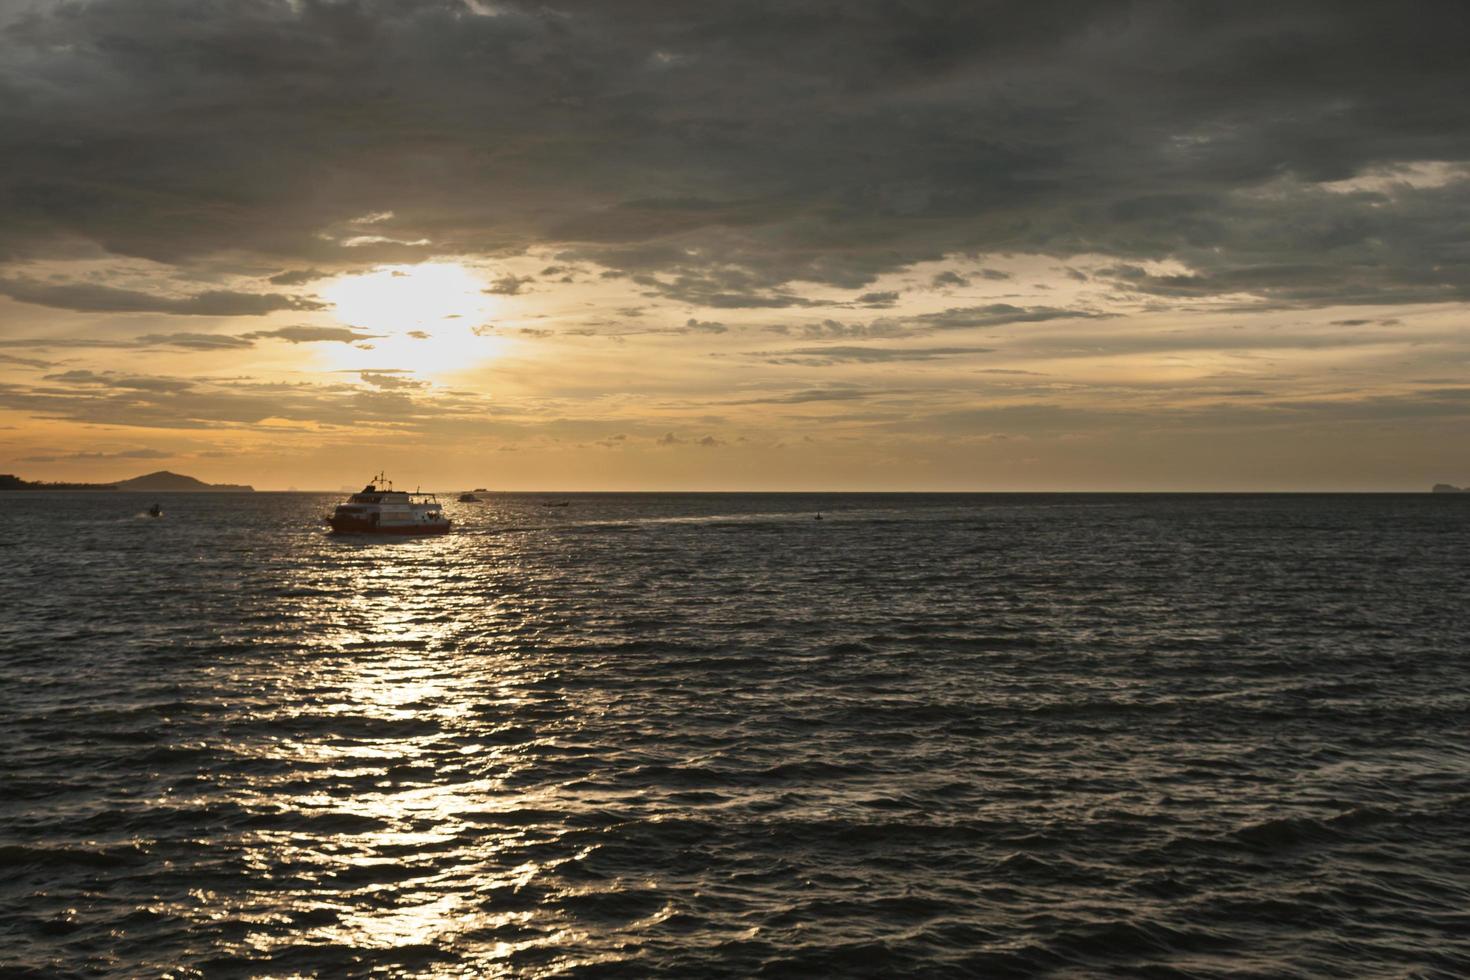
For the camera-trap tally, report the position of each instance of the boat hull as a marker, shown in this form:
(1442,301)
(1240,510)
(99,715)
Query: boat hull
(351,526)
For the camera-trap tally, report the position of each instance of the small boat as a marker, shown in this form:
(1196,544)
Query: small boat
(155,511)
(379,509)
(468,498)
(819,515)
(555,503)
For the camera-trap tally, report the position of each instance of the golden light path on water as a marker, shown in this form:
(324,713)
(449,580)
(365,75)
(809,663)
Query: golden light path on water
(435,810)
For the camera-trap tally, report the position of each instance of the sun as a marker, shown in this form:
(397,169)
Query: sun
(428,318)
(408,297)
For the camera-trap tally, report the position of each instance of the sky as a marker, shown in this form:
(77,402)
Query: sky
(785,245)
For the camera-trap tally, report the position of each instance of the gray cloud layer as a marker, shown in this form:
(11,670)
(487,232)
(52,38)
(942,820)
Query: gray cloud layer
(93,457)
(198,403)
(204,342)
(307,334)
(720,151)
(88,298)
(866,355)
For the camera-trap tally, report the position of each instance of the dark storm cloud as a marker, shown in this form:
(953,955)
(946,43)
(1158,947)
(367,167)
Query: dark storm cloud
(88,298)
(720,151)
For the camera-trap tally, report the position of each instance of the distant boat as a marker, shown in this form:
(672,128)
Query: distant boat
(481,490)
(379,509)
(819,515)
(155,511)
(556,503)
(468,498)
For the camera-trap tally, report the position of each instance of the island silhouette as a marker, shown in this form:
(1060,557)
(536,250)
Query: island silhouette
(162,481)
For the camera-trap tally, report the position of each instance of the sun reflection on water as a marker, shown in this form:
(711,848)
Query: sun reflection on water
(405,819)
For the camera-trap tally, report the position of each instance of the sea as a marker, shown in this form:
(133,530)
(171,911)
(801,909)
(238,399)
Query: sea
(707,735)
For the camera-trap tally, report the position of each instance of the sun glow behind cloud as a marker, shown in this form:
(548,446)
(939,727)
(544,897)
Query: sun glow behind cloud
(431,317)
(409,297)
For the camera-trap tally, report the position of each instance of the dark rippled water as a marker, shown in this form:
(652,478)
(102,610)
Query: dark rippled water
(706,735)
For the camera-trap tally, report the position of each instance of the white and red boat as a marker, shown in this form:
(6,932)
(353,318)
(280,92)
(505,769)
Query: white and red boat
(379,509)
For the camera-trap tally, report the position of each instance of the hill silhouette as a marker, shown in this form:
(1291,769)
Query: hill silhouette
(164,481)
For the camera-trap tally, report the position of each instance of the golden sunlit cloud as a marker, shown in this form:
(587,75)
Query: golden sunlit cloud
(453,346)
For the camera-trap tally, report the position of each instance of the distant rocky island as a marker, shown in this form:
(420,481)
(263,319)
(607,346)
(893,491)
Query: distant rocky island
(176,482)
(161,482)
(1447,488)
